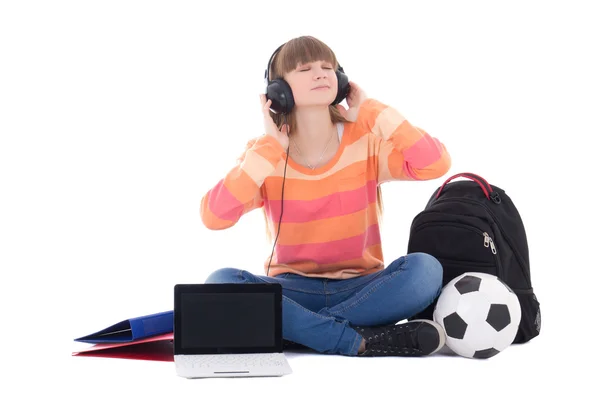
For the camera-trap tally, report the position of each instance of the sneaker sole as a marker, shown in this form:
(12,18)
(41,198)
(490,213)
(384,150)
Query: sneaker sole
(440,330)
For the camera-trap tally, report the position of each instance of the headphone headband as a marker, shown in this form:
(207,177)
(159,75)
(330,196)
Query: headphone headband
(269,63)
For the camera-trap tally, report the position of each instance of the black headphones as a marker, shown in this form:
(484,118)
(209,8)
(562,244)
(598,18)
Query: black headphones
(280,92)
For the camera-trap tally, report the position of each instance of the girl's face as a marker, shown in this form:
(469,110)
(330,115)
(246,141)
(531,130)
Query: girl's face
(313,83)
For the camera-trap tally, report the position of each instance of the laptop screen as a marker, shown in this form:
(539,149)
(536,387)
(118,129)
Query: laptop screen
(240,320)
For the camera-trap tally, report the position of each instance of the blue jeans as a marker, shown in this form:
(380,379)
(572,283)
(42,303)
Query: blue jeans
(319,312)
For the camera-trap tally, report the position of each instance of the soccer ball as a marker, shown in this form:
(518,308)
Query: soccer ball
(479,313)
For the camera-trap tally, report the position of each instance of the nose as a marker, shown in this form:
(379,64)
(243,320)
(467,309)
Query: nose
(319,73)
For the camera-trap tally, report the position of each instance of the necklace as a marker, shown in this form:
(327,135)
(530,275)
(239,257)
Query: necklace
(320,158)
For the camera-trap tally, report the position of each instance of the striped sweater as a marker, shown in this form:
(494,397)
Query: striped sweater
(330,224)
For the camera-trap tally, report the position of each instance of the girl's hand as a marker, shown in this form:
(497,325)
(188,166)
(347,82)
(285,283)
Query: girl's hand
(270,126)
(355,98)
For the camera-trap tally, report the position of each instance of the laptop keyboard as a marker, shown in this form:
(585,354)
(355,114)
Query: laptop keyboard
(239,361)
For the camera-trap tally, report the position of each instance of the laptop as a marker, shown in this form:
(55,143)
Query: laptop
(228,330)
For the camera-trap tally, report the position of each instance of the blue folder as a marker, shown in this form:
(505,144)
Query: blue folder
(133,329)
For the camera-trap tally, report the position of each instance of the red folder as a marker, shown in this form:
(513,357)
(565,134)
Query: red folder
(154,348)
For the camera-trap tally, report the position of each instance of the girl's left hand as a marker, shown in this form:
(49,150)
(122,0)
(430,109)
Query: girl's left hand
(355,98)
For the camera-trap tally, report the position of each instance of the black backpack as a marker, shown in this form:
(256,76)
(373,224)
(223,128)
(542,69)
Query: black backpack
(472,226)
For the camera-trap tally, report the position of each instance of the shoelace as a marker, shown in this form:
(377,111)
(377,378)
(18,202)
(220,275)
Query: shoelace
(395,339)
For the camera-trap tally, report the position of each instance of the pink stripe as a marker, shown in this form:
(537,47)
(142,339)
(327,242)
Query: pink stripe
(222,203)
(333,205)
(330,252)
(424,152)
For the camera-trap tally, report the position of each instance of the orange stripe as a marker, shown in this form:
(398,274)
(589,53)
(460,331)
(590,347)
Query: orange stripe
(405,136)
(349,178)
(369,111)
(241,185)
(325,230)
(335,205)
(269,148)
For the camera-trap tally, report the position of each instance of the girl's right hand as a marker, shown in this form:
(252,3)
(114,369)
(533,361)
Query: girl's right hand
(270,126)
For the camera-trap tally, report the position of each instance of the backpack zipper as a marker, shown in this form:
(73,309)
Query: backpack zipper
(487,240)
(507,238)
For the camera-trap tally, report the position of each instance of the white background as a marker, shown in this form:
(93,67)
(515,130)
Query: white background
(117,116)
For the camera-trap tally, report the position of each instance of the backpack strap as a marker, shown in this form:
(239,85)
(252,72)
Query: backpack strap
(483,184)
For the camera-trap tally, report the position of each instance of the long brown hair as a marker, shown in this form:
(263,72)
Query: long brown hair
(302,50)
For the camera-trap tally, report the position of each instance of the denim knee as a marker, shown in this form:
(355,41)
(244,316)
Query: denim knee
(428,271)
(225,275)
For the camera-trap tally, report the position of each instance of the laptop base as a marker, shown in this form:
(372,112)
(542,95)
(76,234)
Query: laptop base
(232,365)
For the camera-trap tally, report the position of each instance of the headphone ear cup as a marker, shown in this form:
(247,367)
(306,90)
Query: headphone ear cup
(281,96)
(343,86)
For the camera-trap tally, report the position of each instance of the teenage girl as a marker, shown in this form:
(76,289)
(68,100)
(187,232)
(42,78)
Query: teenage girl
(316,173)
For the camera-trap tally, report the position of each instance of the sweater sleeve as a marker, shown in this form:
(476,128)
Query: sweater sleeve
(239,192)
(404,151)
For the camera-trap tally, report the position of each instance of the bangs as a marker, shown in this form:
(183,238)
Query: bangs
(302,50)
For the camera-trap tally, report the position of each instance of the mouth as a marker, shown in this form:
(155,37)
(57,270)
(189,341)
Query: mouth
(321,87)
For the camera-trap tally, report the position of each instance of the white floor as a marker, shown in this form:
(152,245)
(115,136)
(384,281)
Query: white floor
(532,370)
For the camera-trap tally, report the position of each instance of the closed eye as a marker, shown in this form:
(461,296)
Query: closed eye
(308,69)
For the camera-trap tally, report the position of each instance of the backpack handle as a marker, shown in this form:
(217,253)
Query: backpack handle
(483,184)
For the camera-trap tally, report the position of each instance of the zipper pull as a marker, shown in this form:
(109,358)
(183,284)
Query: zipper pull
(487,242)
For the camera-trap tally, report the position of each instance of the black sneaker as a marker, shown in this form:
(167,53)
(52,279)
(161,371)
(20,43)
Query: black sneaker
(419,337)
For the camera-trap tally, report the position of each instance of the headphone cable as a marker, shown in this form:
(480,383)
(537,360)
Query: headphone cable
(282,189)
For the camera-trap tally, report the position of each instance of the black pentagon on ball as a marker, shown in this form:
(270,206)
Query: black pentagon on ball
(487,353)
(498,316)
(455,326)
(468,284)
